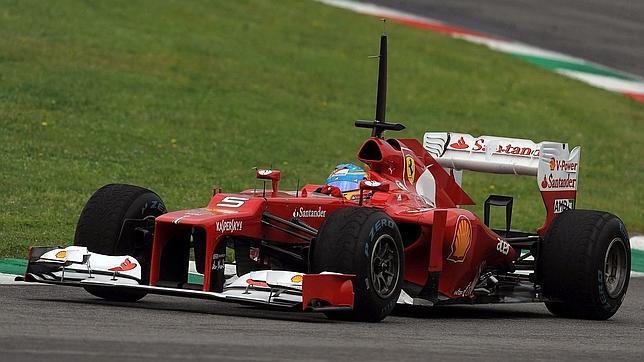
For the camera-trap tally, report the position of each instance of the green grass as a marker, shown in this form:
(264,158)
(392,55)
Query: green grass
(93,92)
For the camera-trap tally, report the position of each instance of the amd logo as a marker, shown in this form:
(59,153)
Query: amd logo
(562,205)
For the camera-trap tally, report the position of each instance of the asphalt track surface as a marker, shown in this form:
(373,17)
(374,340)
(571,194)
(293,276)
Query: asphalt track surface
(608,32)
(66,324)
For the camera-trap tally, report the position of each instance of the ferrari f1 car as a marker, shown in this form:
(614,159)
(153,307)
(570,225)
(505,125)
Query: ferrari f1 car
(403,238)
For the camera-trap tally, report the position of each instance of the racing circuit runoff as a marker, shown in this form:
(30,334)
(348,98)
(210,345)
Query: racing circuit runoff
(399,239)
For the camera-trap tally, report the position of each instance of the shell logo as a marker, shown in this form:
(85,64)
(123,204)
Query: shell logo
(552,164)
(410,169)
(296,279)
(462,240)
(61,254)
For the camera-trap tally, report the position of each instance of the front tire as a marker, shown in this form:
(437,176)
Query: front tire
(367,243)
(103,229)
(585,264)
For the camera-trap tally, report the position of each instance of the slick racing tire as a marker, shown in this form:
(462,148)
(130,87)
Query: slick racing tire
(364,242)
(584,264)
(108,225)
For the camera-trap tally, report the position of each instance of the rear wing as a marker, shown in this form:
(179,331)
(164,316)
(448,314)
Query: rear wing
(555,166)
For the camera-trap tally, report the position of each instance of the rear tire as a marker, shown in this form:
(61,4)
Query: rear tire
(102,229)
(585,264)
(367,243)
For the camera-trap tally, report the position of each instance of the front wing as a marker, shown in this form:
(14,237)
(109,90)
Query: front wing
(76,266)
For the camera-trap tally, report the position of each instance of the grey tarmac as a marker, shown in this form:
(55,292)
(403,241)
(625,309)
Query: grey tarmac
(608,32)
(66,324)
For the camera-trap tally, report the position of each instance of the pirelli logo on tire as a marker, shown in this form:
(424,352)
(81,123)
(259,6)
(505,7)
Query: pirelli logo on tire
(462,240)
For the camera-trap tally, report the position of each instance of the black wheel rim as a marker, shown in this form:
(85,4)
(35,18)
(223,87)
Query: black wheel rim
(385,266)
(615,268)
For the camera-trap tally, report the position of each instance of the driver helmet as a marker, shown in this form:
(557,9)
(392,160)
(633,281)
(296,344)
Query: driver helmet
(347,177)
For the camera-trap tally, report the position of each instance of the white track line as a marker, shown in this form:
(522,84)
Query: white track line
(637,242)
(516,47)
(608,83)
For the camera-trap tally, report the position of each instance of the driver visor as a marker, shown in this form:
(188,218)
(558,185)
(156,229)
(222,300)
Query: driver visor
(345,186)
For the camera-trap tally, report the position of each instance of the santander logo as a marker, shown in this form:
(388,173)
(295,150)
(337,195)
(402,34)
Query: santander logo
(125,266)
(304,213)
(553,182)
(511,147)
(460,144)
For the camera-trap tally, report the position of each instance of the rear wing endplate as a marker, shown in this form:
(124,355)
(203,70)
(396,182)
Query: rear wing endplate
(555,166)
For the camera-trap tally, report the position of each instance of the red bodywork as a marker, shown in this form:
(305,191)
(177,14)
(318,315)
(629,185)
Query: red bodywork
(422,198)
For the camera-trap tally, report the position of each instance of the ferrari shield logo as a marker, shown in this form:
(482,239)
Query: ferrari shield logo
(410,168)
(462,240)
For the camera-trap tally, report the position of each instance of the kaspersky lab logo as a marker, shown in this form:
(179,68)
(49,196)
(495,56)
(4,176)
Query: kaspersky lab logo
(229,226)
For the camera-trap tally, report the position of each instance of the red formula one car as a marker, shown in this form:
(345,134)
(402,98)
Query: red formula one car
(402,238)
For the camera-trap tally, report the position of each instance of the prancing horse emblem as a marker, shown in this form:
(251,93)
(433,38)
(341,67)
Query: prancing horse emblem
(410,168)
